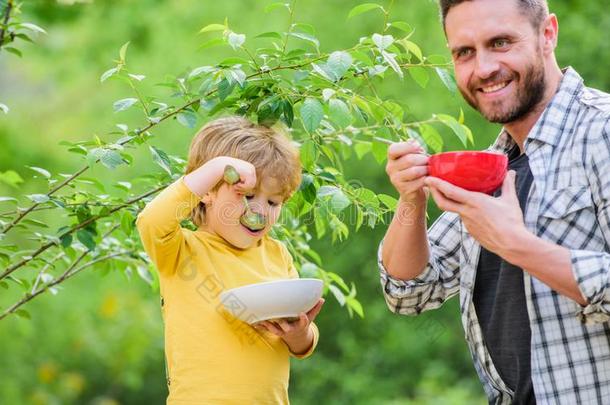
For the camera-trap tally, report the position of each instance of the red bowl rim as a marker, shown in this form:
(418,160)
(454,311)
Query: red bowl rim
(468,152)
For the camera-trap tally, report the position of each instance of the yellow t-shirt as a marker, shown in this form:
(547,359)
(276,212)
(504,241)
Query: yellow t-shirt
(212,357)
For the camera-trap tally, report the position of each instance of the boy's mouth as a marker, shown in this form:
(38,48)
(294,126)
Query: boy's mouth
(253,232)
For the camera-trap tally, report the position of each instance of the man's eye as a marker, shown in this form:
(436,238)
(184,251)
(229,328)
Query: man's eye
(463,53)
(500,43)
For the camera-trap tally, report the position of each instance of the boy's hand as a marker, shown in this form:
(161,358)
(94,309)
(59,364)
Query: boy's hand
(246,171)
(298,334)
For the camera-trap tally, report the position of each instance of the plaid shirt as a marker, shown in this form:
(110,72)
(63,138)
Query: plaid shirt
(568,204)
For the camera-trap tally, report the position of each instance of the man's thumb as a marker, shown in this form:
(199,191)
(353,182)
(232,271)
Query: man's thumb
(508,187)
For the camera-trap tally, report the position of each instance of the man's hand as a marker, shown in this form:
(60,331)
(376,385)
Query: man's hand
(406,168)
(492,221)
(298,334)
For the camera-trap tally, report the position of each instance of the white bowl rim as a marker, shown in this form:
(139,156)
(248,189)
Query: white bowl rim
(289,280)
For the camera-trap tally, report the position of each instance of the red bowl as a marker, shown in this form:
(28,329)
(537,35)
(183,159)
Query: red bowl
(471,170)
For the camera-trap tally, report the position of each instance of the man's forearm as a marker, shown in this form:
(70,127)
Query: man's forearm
(405,247)
(548,262)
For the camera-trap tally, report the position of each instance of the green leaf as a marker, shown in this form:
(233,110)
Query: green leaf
(127,223)
(362,148)
(338,200)
(363,8)
(66,240)
(236,40)
(432,138)
(187,118)
(38,198)
(86,238)
(380,151)
(137,77)
(271,34)
(339,63)
(144,274)
(13,51)
(309,154)
(447,79)
(403,26)
(236,75)
(22,313)
(225,88)
(382,41)
(288,113)
(413,48)
(3,199)
(339,296)
(274,6)
(93,181)
(108,157)
(390,58)
(11,177)
(306,37)
(24,37)
(212,27)
(41,171)
(4,108)
(212,43)
(161,158)
(311,114)
(458,129)
(123,51)
(200,70)
(420,75)
(32,27)
(339,113)
(356,306)
(388,201)
(124,104)
(108,73)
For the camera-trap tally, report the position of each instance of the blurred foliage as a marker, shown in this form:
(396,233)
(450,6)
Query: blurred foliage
(100,339)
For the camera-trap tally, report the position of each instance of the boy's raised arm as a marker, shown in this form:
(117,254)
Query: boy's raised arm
(159,222)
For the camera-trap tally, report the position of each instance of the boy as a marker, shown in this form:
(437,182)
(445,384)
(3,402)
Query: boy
(211,356)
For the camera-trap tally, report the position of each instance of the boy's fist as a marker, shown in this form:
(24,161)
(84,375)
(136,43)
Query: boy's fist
(238,173)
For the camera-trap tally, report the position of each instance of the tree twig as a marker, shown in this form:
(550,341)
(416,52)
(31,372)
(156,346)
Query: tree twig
(5,18)
(75,228)
(66,275)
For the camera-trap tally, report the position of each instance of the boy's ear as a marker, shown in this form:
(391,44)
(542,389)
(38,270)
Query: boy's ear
(208,198)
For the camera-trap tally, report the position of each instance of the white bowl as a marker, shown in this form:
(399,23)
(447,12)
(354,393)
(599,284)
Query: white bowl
(273,299)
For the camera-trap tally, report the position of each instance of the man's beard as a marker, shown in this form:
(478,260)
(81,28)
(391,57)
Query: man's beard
(529,94)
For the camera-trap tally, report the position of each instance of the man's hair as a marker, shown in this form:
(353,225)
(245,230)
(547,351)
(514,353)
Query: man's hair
(536,10)
(268,149)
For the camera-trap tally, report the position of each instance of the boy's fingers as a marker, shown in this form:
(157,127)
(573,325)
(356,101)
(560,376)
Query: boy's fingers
(274,328)
(311,315)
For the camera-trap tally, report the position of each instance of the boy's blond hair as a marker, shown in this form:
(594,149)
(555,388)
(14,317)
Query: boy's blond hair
(269,150)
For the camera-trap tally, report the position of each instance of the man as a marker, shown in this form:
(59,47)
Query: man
(531,264)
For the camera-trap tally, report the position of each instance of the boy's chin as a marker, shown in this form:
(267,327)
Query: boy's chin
(245,243)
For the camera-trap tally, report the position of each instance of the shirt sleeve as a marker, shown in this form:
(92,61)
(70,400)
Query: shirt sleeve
(440,279)
(309,352)
(159,225)
(592,268)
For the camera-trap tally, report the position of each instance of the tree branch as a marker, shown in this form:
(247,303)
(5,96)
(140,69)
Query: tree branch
(75,228)
(69,272)
(5,18)
(28,297)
